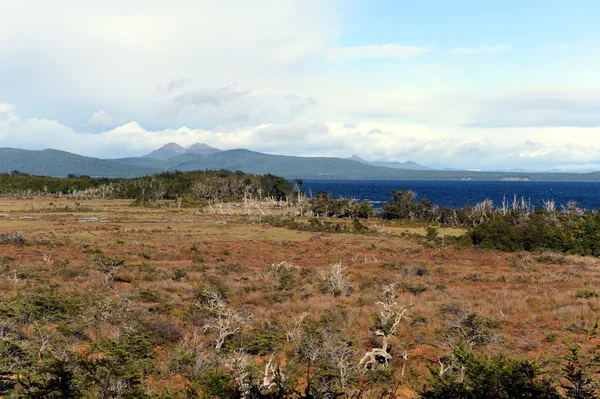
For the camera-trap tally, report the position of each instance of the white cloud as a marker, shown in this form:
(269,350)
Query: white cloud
(383,105)
(375,51)
(538,149)
(483,49)
(8,114)
(174,85)
(93,55)
(101,118)
(536,107)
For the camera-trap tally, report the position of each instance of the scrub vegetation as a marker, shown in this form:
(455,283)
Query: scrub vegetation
(251,291)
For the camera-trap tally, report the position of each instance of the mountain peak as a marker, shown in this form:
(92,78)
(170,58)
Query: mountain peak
(200,146)
(202,149)
(172,147)
(356,158)
(167,151)
(172,150)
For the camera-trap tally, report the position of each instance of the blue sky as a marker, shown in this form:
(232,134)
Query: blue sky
(469,84)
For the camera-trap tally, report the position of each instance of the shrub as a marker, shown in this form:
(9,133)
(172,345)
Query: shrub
(414,288)
(179,274)
(163,330)
(324,205)
(587,294)
(283,275)
(431,233)
(266,339)
(14,237)
(52,306)
(551,257)
(484,377)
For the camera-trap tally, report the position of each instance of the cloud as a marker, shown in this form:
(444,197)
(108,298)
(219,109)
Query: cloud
(8,114)
(533,148)
(174,85)
(101,118)
(393,51)
(212,97)
(87,52)
(230,106)
(543,107)
(483,49)
(383,105)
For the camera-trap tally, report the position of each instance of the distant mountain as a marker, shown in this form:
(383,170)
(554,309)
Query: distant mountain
(172,150)
(400,165)
(356,158)
(60,163)
(201,148)
(288,166)
(166,151)
(394,165)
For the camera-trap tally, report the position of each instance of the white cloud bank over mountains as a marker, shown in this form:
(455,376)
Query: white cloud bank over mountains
(576,148)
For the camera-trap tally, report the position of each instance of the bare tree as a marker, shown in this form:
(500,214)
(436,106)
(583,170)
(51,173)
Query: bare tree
(340,357)
(239,362)
(225,321)
(293,328)
(549,205)
(388,319)
(336,282)
(109,267)
(481,212)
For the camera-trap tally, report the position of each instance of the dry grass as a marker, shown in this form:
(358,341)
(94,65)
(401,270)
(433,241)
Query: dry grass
(527,298)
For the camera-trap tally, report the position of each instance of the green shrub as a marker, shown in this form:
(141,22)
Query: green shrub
(179,274)
(414,288)
(484,377)
(51,306)
(431,233)
(587,294)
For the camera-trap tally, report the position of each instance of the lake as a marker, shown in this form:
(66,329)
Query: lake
(458,193)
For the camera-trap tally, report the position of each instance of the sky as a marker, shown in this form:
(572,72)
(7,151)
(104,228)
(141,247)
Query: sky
(460,84)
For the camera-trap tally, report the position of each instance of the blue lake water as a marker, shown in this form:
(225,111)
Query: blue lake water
(458,193)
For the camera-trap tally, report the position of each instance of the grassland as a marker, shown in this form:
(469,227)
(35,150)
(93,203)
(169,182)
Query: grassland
(531,303)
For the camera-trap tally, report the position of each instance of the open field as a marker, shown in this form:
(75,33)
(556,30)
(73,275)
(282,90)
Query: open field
(529,301)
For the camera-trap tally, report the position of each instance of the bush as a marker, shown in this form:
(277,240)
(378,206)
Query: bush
(324,205)
(484,377)
(51,306)
(163,330)
(587,294)
(14,237)
(403,206)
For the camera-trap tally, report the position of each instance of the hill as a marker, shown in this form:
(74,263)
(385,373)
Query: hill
(339,168)
(60,163)
(387,164)
(400,165)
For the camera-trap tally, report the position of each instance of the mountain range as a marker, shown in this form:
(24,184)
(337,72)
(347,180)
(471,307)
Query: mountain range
(172,157)
(394,165)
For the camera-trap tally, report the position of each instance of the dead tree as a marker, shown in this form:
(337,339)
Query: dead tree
(272,375)
(226,321)
(336,282)
(293,328)
(389,317)
(340,358)
(239,363)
